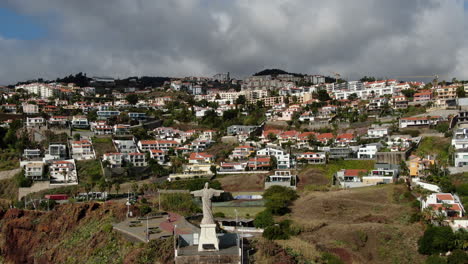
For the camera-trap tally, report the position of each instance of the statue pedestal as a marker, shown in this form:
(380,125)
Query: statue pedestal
(208,240)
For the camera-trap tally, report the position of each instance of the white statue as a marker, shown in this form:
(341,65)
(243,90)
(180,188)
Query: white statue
(206,194)
(208,240)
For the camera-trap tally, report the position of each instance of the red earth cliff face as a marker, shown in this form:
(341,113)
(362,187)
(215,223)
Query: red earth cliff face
(25,233)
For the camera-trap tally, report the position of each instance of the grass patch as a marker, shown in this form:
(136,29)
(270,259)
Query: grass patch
(8,161)
(335,165)
(89,170)
(248,212)
(8,189)
(103,145)
(438,146)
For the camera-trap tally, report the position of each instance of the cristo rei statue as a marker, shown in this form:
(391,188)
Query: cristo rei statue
(208,238)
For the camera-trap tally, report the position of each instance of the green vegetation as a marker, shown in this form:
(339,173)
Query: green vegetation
(191,185)
(435,146)
(90,171)
(102,145)
(229,211)
(8,189)
(264,219)
(179,202)
(8,160)
(413,110)
(335,165)
(157,251)
(278,199)
(440,239)
(22,181)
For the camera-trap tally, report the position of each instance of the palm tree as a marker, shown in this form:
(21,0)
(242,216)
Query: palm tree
(117,187)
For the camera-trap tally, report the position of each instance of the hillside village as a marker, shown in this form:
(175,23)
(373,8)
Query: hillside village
(275,142)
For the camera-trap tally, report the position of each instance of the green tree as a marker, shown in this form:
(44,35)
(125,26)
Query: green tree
(132,99)
(76,136)
(264,219)
(273,162)
(435,259)
(323,95)
(458,256)
(278,199)
(461,92)
(436,239)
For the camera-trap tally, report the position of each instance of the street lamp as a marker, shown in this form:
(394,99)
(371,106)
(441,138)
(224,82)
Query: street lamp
(128,204)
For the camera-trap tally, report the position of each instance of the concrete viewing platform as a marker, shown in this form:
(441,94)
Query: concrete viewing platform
(158,226)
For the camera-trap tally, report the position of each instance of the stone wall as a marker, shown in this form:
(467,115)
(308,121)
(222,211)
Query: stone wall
(209,259)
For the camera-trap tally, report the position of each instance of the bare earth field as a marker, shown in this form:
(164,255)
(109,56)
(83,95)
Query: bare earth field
(365,225)
(242,182)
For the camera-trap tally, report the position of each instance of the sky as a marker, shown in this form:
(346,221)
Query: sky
(120,38)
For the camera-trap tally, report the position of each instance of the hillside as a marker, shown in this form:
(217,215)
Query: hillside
(73,233)
(365,225)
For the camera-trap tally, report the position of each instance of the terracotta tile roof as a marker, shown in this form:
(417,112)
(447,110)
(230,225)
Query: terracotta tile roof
(353,172)
(454,207)
(445,197)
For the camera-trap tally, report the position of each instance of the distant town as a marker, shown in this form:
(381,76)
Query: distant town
(294,154)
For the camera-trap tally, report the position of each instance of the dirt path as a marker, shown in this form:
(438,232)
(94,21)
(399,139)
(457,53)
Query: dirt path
(5,175)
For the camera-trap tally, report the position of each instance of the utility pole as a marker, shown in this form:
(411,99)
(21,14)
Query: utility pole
(237,220)
(128,203)
(159,199)
(147,230)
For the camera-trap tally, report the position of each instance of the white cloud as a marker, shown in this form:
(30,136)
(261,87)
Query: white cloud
(188,37)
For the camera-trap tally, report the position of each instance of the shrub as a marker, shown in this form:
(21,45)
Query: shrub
(22,181)
(436,240)
(219,214)
(434,259)
(264,219)
(458,256)
(107,228)
(278,198)
(275,232)
(413,133)
(145,209)
(331,259)
(179,202)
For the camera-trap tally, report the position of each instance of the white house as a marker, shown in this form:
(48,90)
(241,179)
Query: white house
(419,121)
(368,151)
(283,159)
(63,172)
(136,159)
(56,152)
(164,145)
(281,178)
(58,120)
(32,153)
(33,170)
(82,150)
(379,176)
(447,204)
(34,121)
(80,122)
(313,157)
(200,158)
(200,145)
(377,132)
(115,159)
(125,145)
(30,108)
(158,155)
(461,158)
(242,152)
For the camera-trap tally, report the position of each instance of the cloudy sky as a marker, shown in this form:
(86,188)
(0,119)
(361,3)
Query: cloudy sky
(120,38)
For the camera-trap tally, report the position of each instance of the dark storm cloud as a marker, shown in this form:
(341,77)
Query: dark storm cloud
(202,37)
